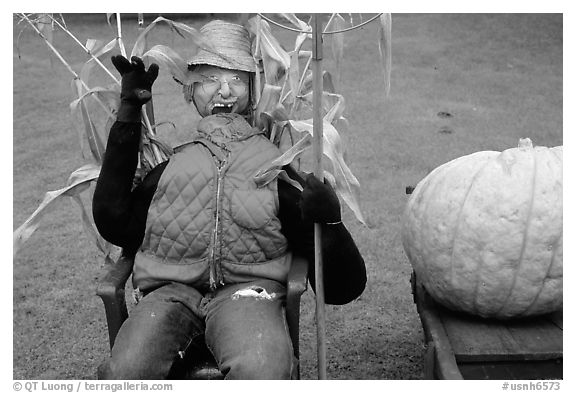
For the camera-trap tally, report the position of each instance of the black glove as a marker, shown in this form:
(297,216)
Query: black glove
(136,86)
(319,202)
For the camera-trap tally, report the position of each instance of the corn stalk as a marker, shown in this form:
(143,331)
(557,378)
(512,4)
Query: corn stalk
(88,51)
(62,60)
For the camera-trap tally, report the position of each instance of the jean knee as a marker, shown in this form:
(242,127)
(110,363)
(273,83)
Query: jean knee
(112,369)
(268,365)
(132,365)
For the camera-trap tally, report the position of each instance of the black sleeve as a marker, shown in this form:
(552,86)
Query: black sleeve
(120,212)
(344,269)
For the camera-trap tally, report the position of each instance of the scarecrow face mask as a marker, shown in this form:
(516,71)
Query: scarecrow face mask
(220,90)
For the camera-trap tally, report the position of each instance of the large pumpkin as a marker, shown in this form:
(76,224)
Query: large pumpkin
(484,232)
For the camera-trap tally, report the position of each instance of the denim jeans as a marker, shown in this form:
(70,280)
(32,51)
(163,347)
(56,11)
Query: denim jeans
(244,326)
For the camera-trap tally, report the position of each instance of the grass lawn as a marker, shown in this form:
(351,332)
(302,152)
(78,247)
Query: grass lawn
(498,76)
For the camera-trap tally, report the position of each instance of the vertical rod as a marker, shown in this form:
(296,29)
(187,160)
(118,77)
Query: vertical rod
(148,108)
(317,86)
(149,104)
(120,41)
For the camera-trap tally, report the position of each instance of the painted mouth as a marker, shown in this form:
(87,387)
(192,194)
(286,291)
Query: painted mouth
(222,108)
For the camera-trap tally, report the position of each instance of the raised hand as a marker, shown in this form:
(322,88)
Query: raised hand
(136,86)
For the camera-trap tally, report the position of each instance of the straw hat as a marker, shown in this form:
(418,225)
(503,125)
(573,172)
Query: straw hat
(233,43)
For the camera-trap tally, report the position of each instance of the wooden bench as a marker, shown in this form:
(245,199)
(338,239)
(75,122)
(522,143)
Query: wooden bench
(461,346)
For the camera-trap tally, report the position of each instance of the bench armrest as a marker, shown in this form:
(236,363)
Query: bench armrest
(297,284)
(111,291)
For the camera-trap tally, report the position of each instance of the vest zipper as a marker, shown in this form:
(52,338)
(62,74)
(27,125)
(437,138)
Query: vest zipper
(215,268)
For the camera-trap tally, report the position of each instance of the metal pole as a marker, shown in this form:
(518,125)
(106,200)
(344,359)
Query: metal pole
(317,86)
(149,104)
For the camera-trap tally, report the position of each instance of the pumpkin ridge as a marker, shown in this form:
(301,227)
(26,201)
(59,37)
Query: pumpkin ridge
(428,185)
(479,266)
(556,153)
(525,237)
(528,310)
(431,185)
(537,297)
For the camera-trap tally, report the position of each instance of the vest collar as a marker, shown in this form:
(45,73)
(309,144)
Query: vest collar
(223,128)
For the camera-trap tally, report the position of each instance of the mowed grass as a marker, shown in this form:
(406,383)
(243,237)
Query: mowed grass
(460,84)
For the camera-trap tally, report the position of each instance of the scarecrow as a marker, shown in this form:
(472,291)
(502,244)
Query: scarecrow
(212,244)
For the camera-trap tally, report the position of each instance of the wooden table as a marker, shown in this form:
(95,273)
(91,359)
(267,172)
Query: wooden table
(461,346)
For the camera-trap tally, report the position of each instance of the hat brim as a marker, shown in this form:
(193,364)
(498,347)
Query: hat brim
(239,62)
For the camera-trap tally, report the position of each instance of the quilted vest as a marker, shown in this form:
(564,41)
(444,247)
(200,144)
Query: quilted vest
(209,224)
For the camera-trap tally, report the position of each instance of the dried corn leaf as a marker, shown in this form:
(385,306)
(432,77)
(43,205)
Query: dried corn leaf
(77,182)
(96,136)
(268,43)
(269,100)
(337,23)
(293,80)
(327,83)
(346,184)
(46,26)
(337,103)
(385,47)
(299,24)
(182,30)
(93,45)
(332,105)
(108,95)
(94,139)
(274,168)
(273,70)
(168,58)
(97,51)
(275,60)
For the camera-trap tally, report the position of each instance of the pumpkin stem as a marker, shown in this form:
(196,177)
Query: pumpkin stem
(524,144)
